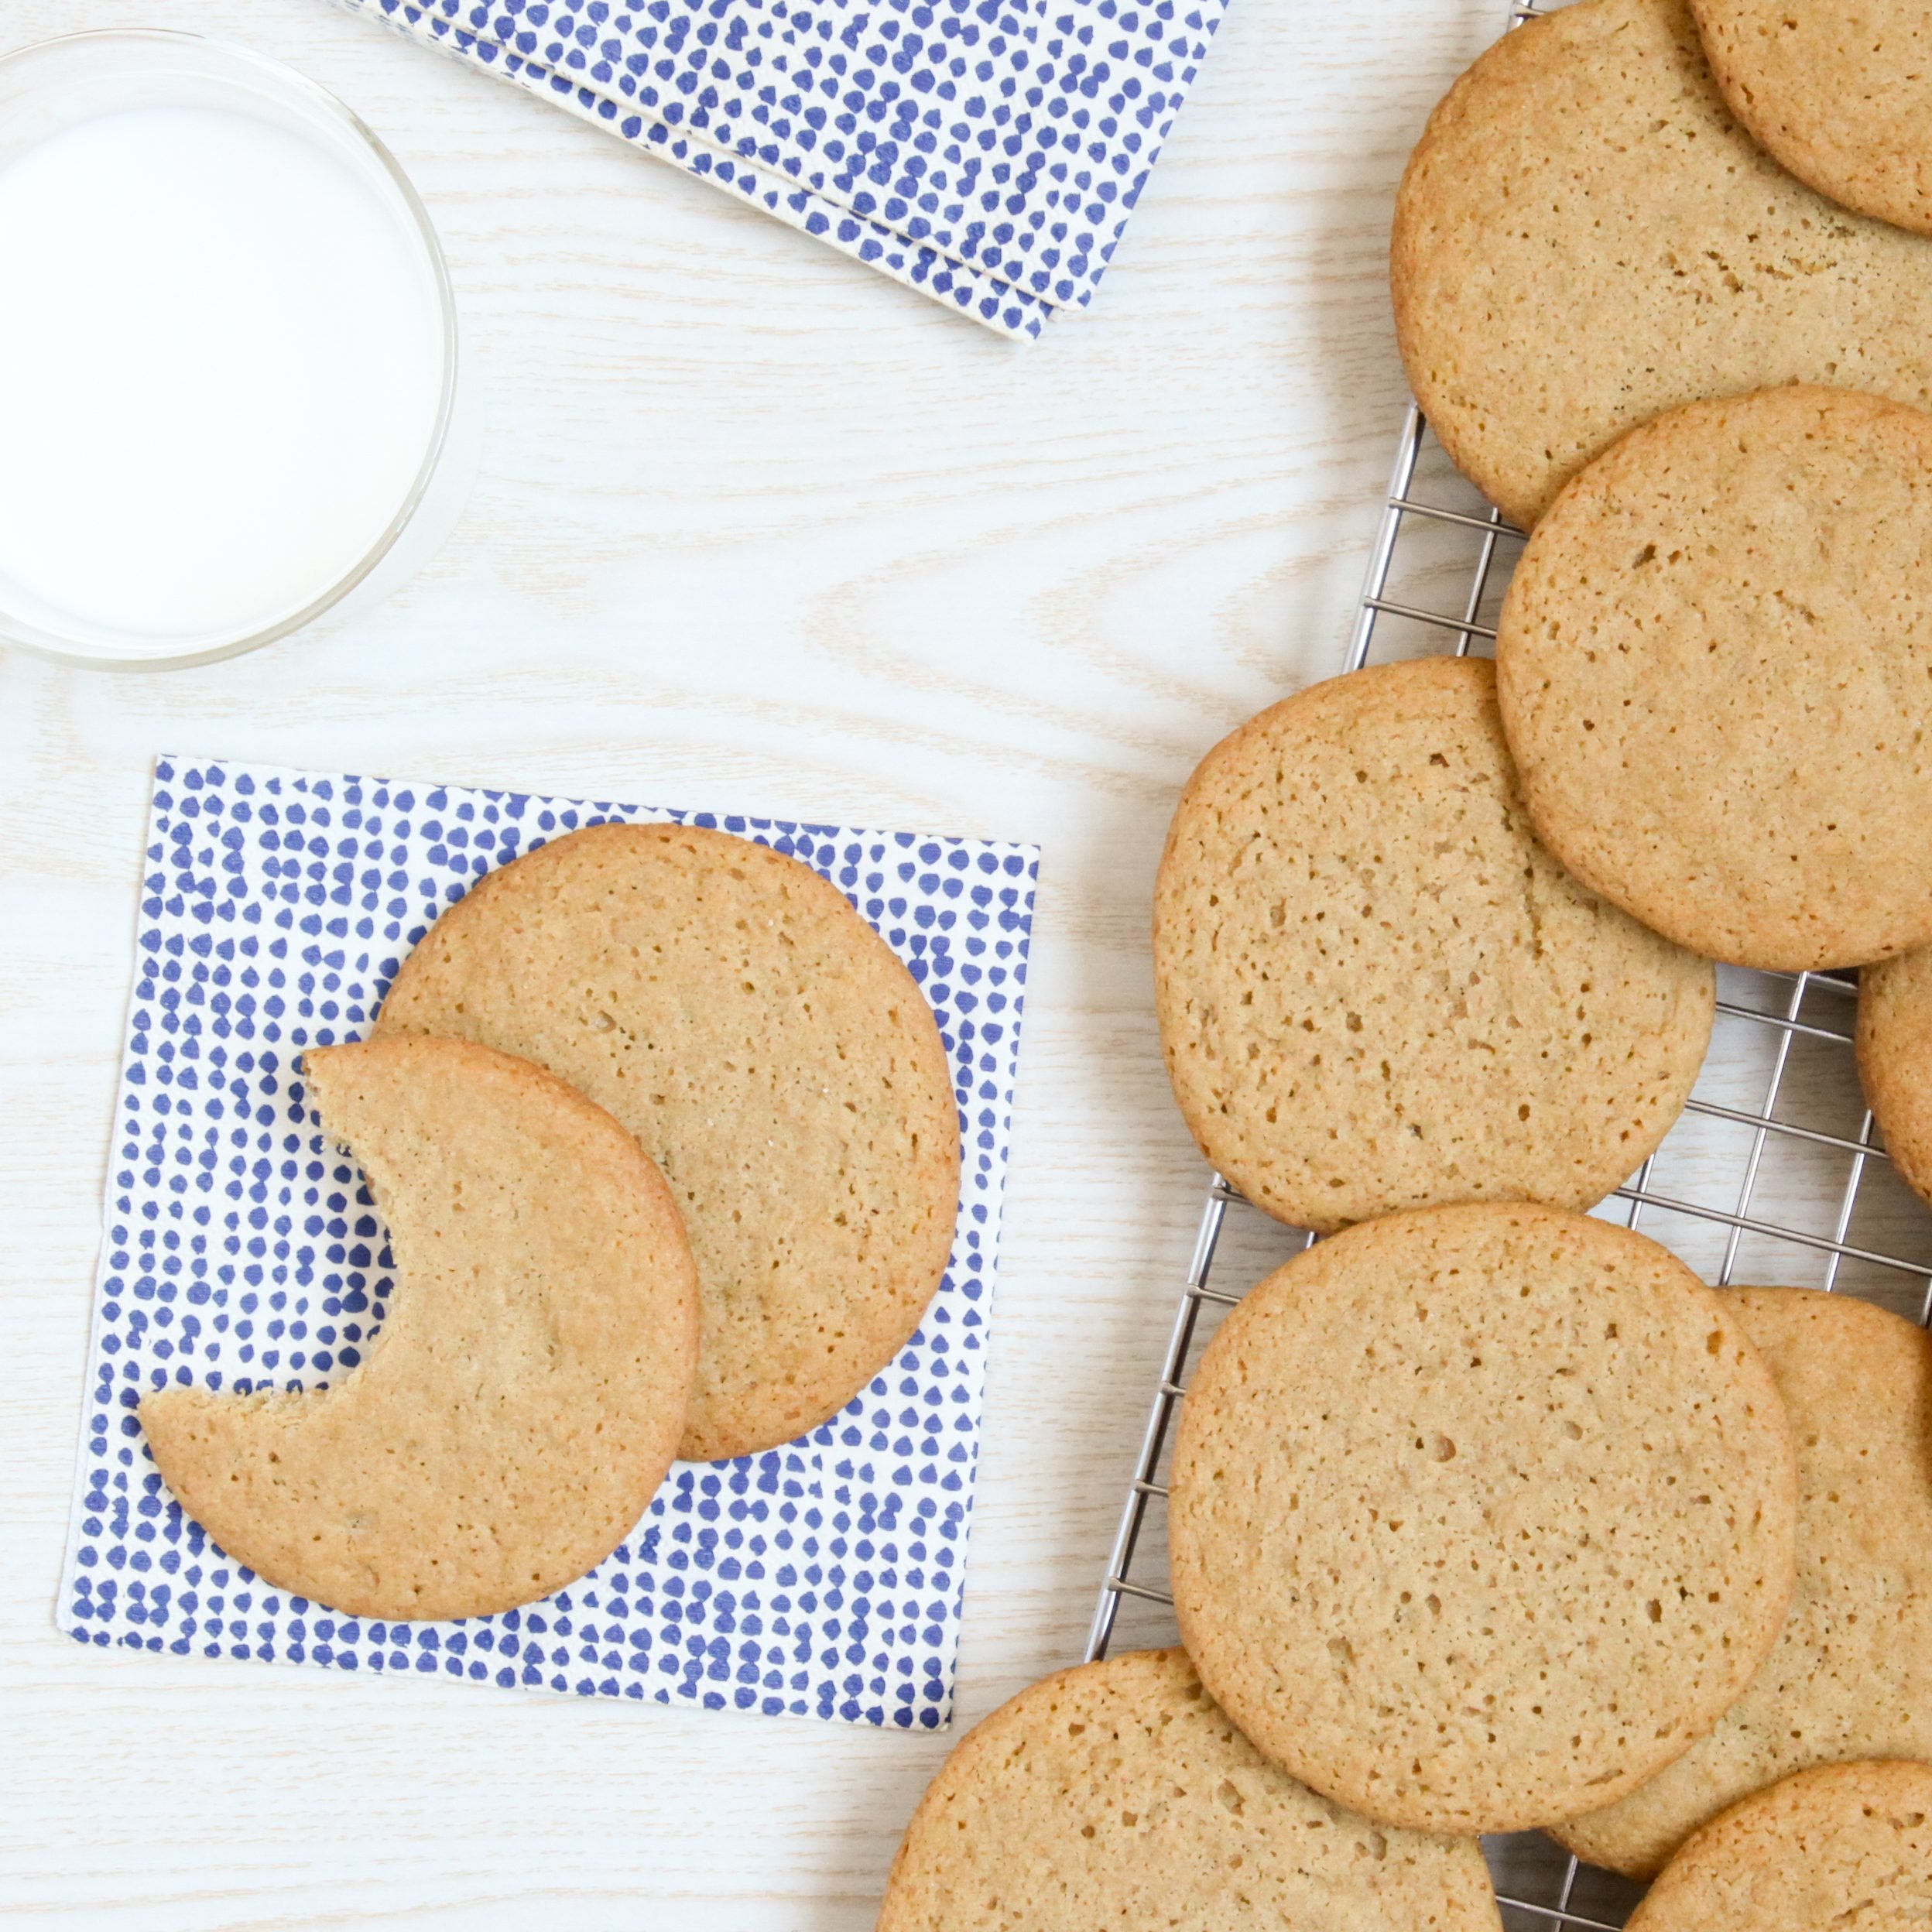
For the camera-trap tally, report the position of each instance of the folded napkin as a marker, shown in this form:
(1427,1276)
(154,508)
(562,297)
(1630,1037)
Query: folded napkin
(819,1580)
(986,153)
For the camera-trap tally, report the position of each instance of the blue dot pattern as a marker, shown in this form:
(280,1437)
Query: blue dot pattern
(241,1250)
(986,152)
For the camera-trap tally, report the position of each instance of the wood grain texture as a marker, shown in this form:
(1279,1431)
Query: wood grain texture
(964,585)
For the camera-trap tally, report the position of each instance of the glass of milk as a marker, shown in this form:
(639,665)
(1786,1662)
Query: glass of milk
(228,353)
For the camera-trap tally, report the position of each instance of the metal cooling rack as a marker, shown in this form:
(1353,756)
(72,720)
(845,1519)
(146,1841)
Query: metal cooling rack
(1773,1175)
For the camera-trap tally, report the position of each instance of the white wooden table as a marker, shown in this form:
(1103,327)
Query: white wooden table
(959,585)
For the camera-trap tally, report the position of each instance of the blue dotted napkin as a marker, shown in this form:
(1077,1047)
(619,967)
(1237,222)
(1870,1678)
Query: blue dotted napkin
(987,152)
(241,1251)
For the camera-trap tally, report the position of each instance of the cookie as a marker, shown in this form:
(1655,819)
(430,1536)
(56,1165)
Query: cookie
(1377,990)
(1846,1845)
(523,1399)
(1713,664)
(1842,96)
(1895,1060)
(773,1056)
(1584,238)
(1850,1675)
(1480,1515)
(1116,1794)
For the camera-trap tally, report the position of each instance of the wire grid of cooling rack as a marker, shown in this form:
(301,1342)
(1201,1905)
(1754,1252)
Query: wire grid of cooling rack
(1773,1175)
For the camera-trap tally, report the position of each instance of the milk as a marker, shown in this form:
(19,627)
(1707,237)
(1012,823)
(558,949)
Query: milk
(221,361)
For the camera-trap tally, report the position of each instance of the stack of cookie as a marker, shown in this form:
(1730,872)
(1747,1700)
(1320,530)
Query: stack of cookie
(1486,1515)
(665,1138)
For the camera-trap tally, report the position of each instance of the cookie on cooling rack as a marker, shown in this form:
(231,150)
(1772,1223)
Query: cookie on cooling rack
(1895,1060)
(526,1396)
(1377,990)
(1480,1515)
(1846,1845)
(773,1056)
(1713,664)
(1842,96)
(1851,1676)
(1585,237)
(1116,1794)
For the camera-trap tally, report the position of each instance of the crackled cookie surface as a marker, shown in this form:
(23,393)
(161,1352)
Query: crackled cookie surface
(1842,95)
(1117,1794)
(1481,1516)
(1377,989)
(1585,237)
(525,1397)
(1850,1675)
(1847,1844)
(769,1052)
(1713,663)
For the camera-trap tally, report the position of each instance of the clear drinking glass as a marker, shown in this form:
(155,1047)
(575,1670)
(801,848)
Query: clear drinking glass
(55,85)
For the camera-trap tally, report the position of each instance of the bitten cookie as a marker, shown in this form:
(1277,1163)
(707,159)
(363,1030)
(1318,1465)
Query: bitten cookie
(1584,238)
(1480,1515)
(1116,1794)
(773,1056)
(1377,990)
(1715,663)
(1895,1060)
(1847,1844)
(1841,95)
(525,1397)
(1850,1675)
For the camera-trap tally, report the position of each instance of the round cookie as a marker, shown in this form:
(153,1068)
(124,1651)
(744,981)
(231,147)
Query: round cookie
(1841,95)
(1377,990)
(525,1397)
(1846,1845)
(1584,238)
(771,1054)
(1116,1794)
(1850,1675)
(1713,664)
(1479,1516)
(1895,1060)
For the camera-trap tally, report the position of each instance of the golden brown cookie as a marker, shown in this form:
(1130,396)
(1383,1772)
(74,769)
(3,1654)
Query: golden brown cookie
(1845,1845)
(1481,1515)
(525,1397)
(1841,95)
(1585,238)
(1895,1060)
(1377,990)
(773,1056)
(1714,664)
(1850,1675)
(1117,1795)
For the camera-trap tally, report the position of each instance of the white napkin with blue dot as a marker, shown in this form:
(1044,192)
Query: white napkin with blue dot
(986,152)
(241,1250)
